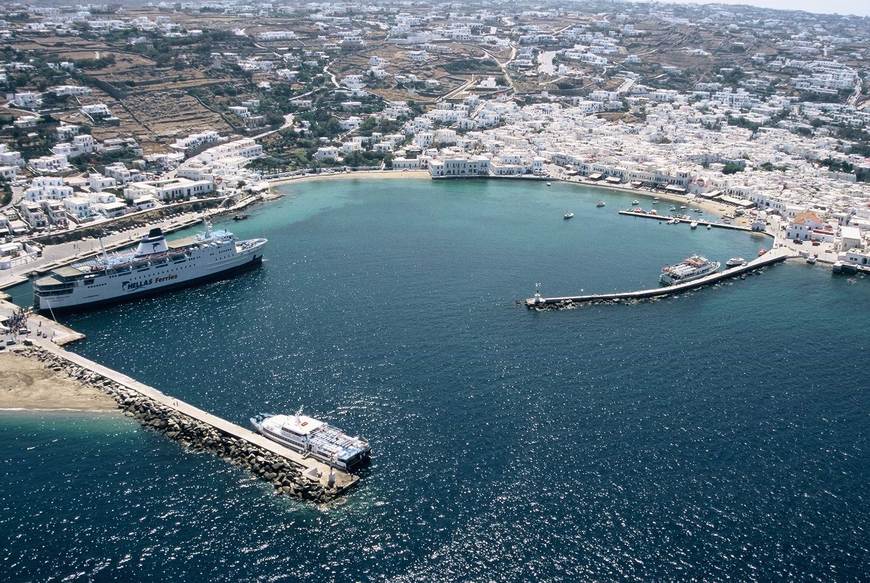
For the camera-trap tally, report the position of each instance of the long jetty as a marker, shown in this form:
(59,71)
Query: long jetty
(290,472)
(701,222)
(776,255)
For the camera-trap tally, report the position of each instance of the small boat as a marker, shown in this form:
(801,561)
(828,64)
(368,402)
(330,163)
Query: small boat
(600,203)
(240,217)
(709,226)
(698,211)
(673,221)
(735,262)
(635,202)
(683,207)
(549,184)
(568,216)
(811,259)
(655,200)
(673,208)
(693,225)
(762,251)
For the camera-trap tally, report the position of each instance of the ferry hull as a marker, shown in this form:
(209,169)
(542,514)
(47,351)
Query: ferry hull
(248,265)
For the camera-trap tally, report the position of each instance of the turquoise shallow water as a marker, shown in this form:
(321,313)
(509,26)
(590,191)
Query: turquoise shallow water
(722,435)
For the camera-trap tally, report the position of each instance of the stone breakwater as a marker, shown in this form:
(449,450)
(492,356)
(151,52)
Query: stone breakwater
(286,476)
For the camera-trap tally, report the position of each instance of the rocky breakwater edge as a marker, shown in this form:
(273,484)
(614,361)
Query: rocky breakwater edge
(286,476)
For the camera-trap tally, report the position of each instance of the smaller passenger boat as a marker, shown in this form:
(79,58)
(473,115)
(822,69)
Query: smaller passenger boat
(735,262)
(600,203)
(709,226)
(549,184)
(693,225)
(635,202)
(811,259)
(568,216)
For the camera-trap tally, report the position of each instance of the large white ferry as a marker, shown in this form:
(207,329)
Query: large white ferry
(153,267)
(312,437)
(689,269)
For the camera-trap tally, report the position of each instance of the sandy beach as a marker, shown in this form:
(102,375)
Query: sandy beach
(365,174)
(26,383)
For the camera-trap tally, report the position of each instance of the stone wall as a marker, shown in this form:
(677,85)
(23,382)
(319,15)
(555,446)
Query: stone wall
(286,476)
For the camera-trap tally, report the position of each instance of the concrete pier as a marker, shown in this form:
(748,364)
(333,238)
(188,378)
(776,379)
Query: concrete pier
(701,222)
(290,472)
(773,256)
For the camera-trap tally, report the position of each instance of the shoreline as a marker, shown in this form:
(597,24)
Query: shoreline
(28,385)
(710,207)
(365,174)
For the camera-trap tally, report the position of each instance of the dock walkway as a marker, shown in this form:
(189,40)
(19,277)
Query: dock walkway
(310,467)
(775,255)
(701,222)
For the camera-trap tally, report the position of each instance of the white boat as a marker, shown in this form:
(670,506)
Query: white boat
(635,202)
(154,266)
(709,226)
(691,268)
(600,203)
(310,436)
(735,262)
(674,221)
(568,216)
(811,259)
(549,184)
(693,225)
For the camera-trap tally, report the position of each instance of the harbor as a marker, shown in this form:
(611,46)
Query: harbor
(539,302)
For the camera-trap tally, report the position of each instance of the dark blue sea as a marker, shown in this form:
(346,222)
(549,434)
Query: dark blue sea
(717,436)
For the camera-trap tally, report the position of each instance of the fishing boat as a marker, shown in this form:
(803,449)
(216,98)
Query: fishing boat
(693,225)
(635,202)
(709,226)
(241,217)
(600,203)
(811,259)
(568,216)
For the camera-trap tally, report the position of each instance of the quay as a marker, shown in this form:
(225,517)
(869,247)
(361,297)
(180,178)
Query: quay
(776,255)
(21,273)
(701,223)
(290,472)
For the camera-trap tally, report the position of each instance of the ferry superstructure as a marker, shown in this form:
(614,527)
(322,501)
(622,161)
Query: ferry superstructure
(313,437)
(689,269)
(154,266)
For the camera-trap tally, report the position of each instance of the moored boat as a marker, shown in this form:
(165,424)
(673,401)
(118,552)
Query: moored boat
(693,225)
(689,269)
(154,266)
(313,437)
(568,216)
(600,203)
(735,262)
